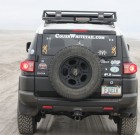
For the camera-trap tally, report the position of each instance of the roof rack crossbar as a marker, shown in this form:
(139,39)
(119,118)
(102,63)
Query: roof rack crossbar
(56,16)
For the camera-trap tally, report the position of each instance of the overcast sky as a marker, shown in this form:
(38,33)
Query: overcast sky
(26,14)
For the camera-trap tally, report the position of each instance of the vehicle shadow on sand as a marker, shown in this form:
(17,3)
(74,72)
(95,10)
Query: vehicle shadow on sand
(62,125)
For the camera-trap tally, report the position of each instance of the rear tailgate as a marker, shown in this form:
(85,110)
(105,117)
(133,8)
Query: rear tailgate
(107,47)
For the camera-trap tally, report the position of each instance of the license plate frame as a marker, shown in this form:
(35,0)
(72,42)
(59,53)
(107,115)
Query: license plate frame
(115,91)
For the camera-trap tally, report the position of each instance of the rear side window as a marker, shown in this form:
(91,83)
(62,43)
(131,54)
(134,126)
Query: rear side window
(103,45)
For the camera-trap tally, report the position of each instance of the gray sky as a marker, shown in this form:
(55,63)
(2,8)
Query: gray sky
(26,14)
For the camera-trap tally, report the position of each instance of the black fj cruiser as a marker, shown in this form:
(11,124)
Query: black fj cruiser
(78,65)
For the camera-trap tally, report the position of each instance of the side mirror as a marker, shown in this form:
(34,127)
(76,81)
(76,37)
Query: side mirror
(128,46)
(28,46)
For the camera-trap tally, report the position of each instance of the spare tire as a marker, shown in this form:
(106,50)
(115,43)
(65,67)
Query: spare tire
(75,72)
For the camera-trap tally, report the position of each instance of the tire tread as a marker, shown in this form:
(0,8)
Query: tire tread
(127,126)
(26,124)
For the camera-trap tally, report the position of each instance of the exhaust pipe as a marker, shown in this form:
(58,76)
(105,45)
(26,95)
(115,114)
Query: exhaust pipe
(77,118)
(77,115)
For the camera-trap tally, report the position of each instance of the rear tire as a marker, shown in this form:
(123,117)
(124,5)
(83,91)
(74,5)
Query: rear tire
(26,124)
(127,126)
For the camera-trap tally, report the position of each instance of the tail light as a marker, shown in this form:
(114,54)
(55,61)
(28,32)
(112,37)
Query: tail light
(79,31)
(27,66)
(130,68)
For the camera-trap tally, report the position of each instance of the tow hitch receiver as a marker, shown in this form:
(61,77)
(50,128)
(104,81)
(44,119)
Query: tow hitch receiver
(77,115)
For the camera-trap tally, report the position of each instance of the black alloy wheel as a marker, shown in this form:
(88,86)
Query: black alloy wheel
(75,72)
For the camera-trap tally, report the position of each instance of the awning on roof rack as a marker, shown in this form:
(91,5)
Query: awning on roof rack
(55,16)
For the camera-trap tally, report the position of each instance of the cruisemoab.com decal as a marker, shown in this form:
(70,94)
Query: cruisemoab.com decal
(79,36)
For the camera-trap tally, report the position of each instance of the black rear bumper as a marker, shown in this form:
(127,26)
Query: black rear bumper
(31,105)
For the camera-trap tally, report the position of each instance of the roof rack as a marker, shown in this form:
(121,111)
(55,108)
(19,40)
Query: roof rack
(56,16)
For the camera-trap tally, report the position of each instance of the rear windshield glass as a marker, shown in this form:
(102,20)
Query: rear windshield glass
(103,45)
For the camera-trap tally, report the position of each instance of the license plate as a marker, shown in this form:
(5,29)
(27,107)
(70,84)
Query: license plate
(111,91)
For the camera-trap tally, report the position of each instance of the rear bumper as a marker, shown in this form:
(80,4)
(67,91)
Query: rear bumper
(127,102)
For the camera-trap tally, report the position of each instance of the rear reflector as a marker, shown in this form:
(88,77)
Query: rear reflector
(108,109)
(47,107)
(27,66)
(79,31)
(130,68)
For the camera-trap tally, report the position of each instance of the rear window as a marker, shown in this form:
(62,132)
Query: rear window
(102,45)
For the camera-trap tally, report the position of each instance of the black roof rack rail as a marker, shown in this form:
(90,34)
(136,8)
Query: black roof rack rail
(56,16)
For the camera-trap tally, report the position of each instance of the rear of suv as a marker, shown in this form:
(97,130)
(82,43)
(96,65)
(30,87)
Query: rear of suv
(78,65)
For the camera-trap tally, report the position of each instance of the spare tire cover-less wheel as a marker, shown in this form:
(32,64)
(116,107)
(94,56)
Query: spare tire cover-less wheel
(75,72)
